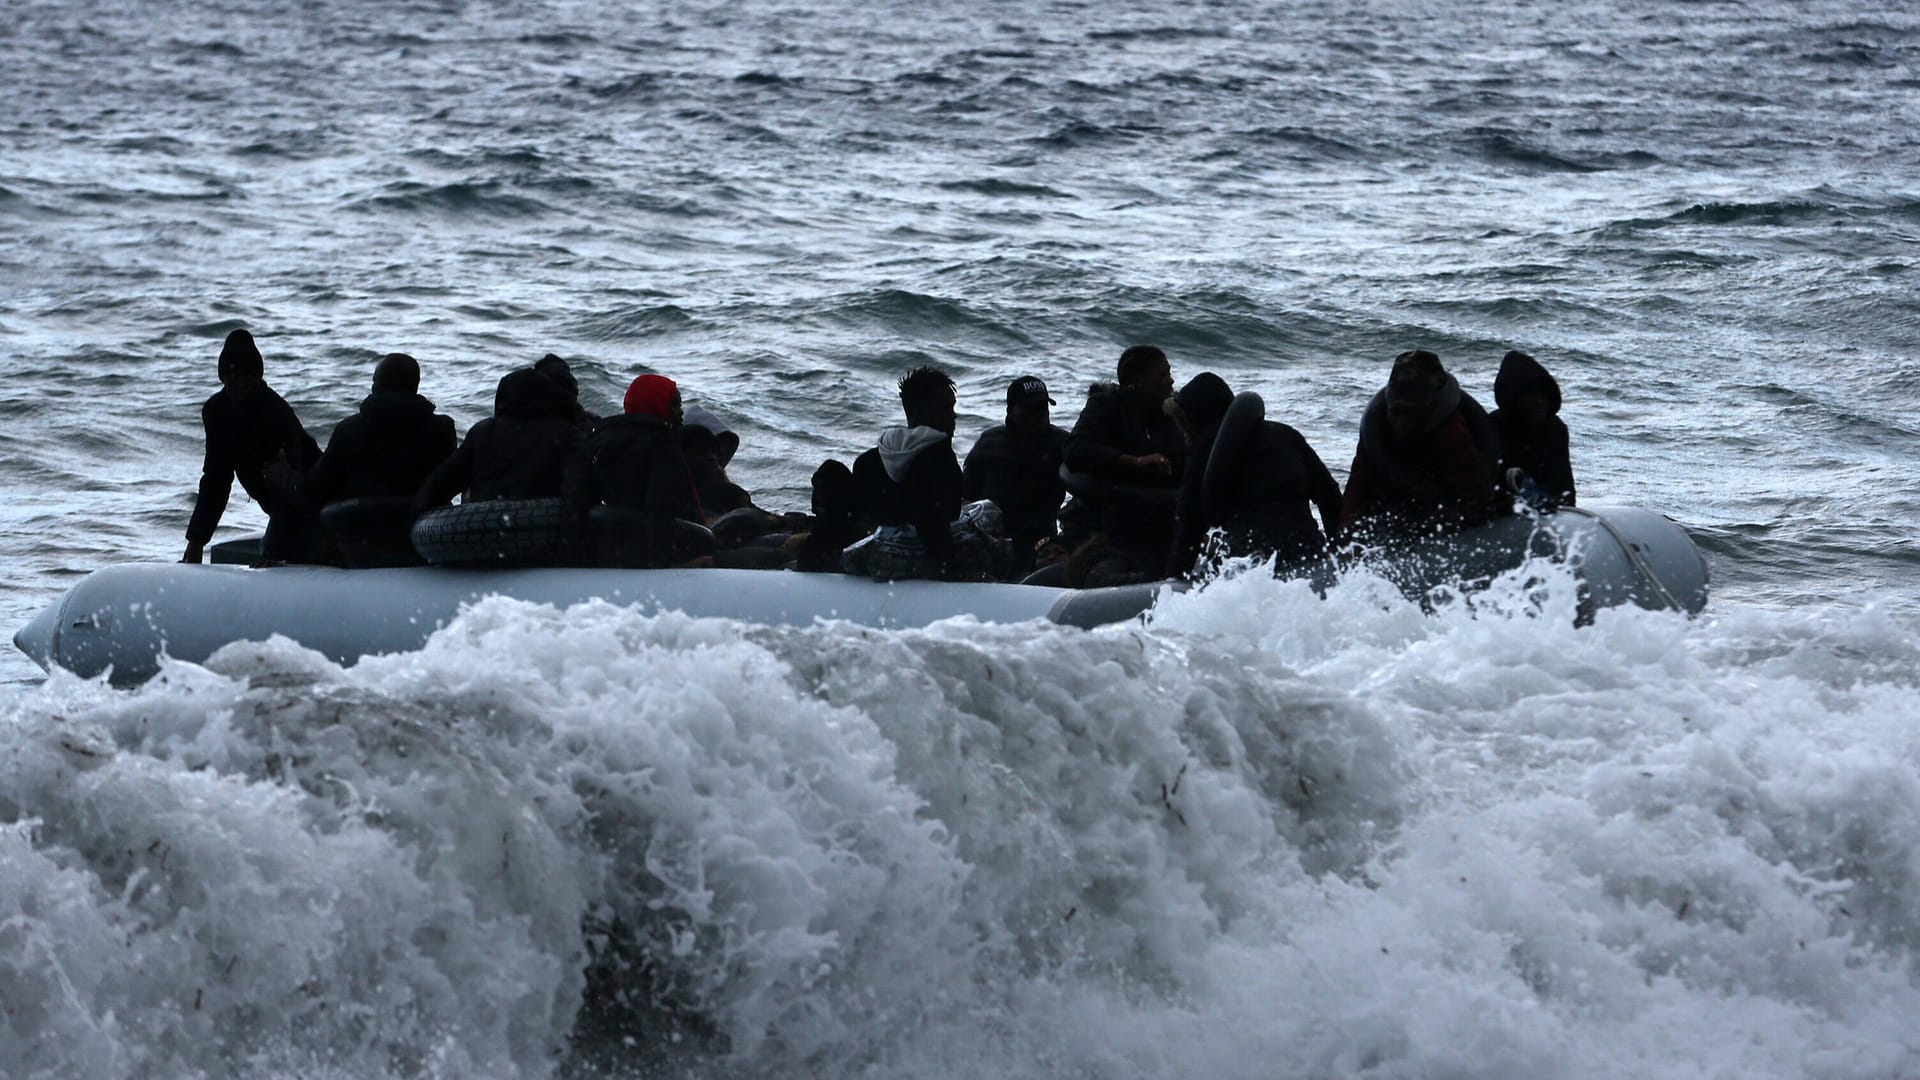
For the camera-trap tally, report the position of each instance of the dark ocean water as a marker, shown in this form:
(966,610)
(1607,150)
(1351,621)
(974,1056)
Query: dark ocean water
(1416,847)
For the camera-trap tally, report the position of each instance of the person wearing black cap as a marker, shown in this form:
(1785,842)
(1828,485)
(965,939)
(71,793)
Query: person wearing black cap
(1427,459)
(253,435)
(556,368)
(1533,438)
(1250,477)
(389,447)
(1017,466)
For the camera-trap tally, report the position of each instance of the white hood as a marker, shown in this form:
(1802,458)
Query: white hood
(899,446)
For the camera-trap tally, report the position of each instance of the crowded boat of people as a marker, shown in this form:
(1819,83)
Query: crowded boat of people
(1148,483)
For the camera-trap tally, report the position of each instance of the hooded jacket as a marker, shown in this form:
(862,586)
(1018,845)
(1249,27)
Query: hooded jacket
(710,444)
(388,448)
(912,478)
(248,429)
(1271,483)
(528,449)
(1543,452)
(1441,477)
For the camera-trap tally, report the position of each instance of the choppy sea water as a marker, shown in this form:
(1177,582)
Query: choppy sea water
(1263,835)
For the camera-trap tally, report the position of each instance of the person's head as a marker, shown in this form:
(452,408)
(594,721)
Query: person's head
(553,367)
(240,359)
(1412,388)
(1028,404)
(1145,376)
(656,396)
(927,398)
(1524,391)
(397,371)
(1201,404)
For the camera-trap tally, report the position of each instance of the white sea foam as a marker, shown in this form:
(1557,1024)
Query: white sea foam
(1268,834)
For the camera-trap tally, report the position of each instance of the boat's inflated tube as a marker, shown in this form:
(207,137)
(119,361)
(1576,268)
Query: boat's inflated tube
(124,618)
(1221,480)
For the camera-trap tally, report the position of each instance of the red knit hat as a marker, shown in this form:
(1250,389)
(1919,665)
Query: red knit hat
(650,394)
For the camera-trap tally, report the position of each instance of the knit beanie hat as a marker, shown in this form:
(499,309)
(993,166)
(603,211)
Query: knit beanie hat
(651,395)
(239,356)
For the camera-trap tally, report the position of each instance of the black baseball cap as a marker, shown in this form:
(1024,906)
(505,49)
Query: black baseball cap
(1026,388)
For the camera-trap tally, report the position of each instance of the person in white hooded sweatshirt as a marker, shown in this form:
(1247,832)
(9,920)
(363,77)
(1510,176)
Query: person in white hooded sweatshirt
(912,478)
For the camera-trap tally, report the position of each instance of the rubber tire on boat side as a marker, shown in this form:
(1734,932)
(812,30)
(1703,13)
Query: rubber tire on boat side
(509,532)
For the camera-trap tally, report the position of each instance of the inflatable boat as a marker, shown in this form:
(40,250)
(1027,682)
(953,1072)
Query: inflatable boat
(120,621)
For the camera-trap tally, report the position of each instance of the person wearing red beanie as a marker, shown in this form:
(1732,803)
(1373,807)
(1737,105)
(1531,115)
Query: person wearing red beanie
(653,395)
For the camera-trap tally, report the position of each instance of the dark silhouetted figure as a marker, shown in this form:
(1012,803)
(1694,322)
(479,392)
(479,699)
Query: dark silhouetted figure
(1533,438)
(639,467)
(1017,466)
(528,449)
(390,446)
(912,478)
(1124,459)
(709,445)
(557,369)
(253,435)
(1427,457)
(1250,477)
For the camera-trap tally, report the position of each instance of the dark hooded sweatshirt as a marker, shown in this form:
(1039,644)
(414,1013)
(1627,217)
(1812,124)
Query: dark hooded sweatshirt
(528,449)
(638,464)
(1271,485)
(1542,452)
(388,448)
(1133,510)
(1020,472)
(710,444)
(913,478)
(249,427)
(1441,478)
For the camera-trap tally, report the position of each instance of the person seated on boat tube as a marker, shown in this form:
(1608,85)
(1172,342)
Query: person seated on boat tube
(1427,458)
(389,447)
(910,482)
(640,468)
(254,436)
(528,449)
(709,445)
(1249,477)
(1123,461)
(1533,438)
(1017,466)
(557,369)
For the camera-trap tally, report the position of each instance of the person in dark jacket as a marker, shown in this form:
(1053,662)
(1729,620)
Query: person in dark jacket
(528,449)
(912,478)
(1533,438)
(1125,457)
(389,447)
(1017,466)
(639,465)
(1427,457)
(709,445)
(1261,490)
(254,436)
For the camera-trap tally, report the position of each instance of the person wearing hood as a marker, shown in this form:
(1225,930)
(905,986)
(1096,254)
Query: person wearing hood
(1253,479)
(1017,466)
(555,368)
(528,449)
(254,436)
(709,445)
(389,447)
(912,478)
(1123,462)
(638,465)
(1427,457)
(1533,438)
